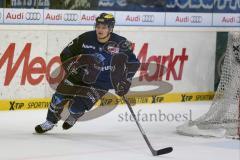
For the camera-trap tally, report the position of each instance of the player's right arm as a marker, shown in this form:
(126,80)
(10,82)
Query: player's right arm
(70,57)
(73,49)
(78,65)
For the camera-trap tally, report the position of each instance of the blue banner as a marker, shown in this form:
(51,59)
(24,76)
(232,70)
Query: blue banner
(40,4)
(203,6)
(132,5)
(215,6)
(206,6)
(1,3)
(190,6)
(226,6)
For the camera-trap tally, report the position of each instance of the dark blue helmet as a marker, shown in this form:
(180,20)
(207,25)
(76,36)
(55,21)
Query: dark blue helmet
(106,18)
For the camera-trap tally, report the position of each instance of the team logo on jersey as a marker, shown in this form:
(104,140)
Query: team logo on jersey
(112,48)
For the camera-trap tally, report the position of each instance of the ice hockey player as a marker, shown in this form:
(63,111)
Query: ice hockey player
(94,62)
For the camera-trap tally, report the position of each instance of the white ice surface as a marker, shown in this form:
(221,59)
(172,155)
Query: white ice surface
(110,138)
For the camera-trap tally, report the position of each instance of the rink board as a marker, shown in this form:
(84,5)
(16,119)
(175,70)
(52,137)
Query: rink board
(43,103)
(29,54)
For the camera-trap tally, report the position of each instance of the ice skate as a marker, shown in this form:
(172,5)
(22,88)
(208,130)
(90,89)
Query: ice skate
(71,120)
(44,127)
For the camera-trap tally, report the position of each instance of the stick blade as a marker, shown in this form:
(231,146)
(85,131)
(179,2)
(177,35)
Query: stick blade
(163,151)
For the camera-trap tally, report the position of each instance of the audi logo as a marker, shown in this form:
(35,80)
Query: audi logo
(33,16)
(196,19)
(70,17)
(148,18)
(238,19)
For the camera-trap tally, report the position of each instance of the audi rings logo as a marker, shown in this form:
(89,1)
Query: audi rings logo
(238,19)
(196,19)
(33,16)
(70,17)
(148,18)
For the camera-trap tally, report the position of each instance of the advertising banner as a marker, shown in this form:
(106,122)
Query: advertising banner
(188,19)
(1,15)
(203,6)
(88,17)
(189,64)
(226,19)
(226,6)
(40,4)
(123,18)
(23,16)
(200,6)
(23,64)
(62,17)
(27,59)
(140,18)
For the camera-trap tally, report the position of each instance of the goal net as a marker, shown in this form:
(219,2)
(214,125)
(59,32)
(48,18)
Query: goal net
(223,117)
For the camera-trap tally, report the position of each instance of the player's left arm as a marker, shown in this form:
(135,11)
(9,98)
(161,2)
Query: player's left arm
(133,63)
(128,65)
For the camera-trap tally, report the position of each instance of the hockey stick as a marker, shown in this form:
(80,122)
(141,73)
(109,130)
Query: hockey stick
(154,152)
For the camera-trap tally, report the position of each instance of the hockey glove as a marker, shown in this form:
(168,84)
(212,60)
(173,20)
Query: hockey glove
(85,70)
(71,66)
(123,87)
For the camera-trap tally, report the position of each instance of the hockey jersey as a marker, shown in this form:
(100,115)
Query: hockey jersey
(88,44)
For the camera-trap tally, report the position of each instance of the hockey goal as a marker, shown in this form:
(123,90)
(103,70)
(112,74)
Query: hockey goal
(223,117)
